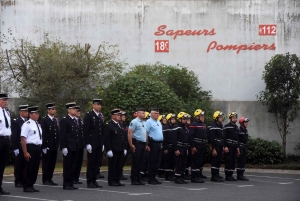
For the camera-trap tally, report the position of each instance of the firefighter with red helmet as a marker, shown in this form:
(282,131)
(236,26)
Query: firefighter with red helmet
(231,146)
(242,138)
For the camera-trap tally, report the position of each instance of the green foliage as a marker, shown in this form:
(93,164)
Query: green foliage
(132,91)
(260,151)
(281,95)
(56,72)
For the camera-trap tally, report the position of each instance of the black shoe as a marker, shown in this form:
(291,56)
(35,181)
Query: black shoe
(35,190)
(91,185)
(97,185)
(68,188)
(52,182)
(47,183)
(184,182)
(151,182)
(214,178)
(161,175)
(178,181)
(141,183)
(120,184)
(186,177)
(233,179)
(135,183)
(123,178)
(197,180)
(77,182)
(3,192)
(28,190)
(74,188)
(113,184)
(99,176)
(19,185)
(219,176)
(202,176)
(156,181)
(170,179)
(145,179)
(228,178)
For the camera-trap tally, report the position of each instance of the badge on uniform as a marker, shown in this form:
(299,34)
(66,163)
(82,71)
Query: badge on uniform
(0,121)
(130,124)
(34,132)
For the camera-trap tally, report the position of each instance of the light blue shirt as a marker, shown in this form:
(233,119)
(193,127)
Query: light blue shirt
(139,129)
(154,129)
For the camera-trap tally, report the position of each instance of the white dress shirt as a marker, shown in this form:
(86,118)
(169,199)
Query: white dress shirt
(3,130)
(30,131)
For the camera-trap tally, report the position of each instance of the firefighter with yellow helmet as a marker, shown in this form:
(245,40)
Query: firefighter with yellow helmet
(216,141)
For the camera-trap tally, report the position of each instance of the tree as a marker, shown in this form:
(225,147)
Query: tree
(56,72)
(281,95)
(131,91)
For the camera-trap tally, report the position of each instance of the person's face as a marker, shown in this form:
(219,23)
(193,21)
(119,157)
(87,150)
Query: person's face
(164,121)
(141,114)
(154,115)
(72,111)
(220,119)
(246,124)
(97,107)
(78,113)
(202,118)
(183,120)
(24,113)
(116,117)
(233,119)
(123,118)
(34,116)
(188,121)
(52,111)
(173,121)
(3,103)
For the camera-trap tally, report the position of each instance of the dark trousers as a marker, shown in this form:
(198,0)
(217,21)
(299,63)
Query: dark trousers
(241,160)
(69,165)
(196,161)
(100,161)
(189,158)
(154,159)
(78,165)
(203,159)
(161,168)
(48,165)
(4,151)
(144,167)
(93,164)
(32,166)
(115,167)
(180,161)
(216,161)
(169,162)
(138,158)
(20,164)
(230,160)
(126,157)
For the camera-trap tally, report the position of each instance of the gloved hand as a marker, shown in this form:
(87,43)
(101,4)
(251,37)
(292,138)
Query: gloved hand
(16,152)
(45,150)
(64,151)
(110,154)
(102,148)
(89,148)
(125,152)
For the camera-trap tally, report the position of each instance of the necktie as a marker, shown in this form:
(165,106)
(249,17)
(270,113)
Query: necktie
(119,125)
(39,130)
(6,122)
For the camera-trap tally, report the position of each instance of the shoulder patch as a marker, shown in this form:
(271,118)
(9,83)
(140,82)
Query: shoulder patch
(130,124)
(28,122)
(15,119)
(64,117)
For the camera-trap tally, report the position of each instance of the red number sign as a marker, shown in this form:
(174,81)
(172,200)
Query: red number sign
(267,29)
(161,45)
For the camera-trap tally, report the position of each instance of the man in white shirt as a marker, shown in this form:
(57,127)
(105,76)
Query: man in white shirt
(31,137)
(5,133)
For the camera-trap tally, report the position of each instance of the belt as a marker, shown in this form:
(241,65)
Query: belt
(155,141)
(34,144)
(4,136)
(137,141)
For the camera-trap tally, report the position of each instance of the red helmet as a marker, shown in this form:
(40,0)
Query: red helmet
(243,119)
(134,115)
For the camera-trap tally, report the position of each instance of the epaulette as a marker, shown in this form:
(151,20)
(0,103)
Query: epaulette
(28,122)
(15,119)
(64,117)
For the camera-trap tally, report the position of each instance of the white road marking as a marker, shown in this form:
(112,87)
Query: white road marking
(266,181)
(29,198)
(287,183)
(196,189)
(241,186)
(270,177)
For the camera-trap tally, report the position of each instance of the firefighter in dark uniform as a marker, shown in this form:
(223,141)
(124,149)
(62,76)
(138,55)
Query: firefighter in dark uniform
(231,146)
(180,146)
(93,125)
(187,175)
(137,136)
(216,140)
(124,126)
(80,144)
(69,146)
(161,169)
(31,137)
(243,138)
(17,146)
(198,145)
(50,144)
(167,148)
(5,132)
(116,150)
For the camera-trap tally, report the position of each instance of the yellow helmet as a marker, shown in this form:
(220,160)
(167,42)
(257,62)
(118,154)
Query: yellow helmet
(231,114)
(170,116)
(147,115)
(159,118)
(180,115)
(198,112)
(217,114)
